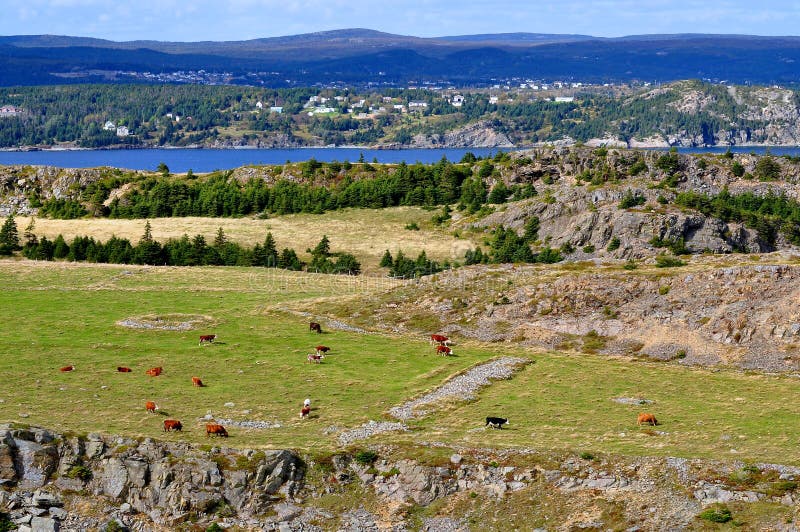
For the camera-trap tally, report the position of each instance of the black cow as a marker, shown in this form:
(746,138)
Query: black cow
(496,422)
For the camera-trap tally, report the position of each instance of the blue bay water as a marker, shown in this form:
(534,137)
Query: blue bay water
(207,160)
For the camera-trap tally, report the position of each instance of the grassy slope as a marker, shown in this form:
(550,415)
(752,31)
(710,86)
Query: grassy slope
(58,314)
(65,314)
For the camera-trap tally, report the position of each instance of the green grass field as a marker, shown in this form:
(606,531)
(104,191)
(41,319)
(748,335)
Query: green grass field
(56,314)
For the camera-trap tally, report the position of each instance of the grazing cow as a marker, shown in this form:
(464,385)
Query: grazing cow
(444,350)
(197,382)
(154,372)
(68,368)
(314,326)
(207,338)
(123,369)
(496,422)
(219,430)
(151,407)
(305,411)
(439,339)
(172,424)
(649,419)
(317,359)
(322,349)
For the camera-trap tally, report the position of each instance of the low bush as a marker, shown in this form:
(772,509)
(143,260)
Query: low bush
(718,513)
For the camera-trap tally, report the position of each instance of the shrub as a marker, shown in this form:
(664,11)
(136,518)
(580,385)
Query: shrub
(589,248)
(669,162)
(631,265)
(737,169)
(365,457)
(593,342)
(214,527)
(412,226)
(718,513)
(587,456)
(613,244)
(663,290)
(767,169)
(638,167)
(666,261)
(80,472)
(629,199)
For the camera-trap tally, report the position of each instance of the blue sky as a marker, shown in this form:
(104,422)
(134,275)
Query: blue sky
(195,20)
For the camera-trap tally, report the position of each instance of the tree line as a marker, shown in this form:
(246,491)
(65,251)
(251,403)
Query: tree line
(184,251)
(220,195)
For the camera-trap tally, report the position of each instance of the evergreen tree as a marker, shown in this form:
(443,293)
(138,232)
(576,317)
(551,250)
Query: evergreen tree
(9,236)
(147,251)
(531,233)
(270,252)
(29,235)
(386,260)
(289,261)
(347,264)
(323,249)
(220,240)
(60,247)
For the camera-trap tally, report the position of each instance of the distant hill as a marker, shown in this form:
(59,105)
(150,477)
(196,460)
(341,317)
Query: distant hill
(359,56)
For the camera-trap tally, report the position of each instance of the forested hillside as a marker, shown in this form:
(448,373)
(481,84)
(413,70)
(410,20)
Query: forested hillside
(683,114)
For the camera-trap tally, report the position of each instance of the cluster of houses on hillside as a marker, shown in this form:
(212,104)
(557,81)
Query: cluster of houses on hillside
(121,131)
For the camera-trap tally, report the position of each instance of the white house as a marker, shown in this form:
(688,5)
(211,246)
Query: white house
(9,110)
(259,105)
(122,131)
(109,126)
(492,100)
(276,109)
(457,101)
(565,99)
(417,105)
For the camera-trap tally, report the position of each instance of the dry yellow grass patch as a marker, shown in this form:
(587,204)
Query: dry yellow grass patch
(366,233)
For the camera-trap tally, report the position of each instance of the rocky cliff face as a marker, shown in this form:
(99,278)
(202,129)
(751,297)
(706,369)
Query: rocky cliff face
(160,483)
(477,135)
(57,482)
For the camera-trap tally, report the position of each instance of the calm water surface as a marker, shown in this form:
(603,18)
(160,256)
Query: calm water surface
(207,160)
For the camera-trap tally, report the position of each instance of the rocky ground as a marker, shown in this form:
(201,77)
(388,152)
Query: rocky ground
(57,482)
(710,312)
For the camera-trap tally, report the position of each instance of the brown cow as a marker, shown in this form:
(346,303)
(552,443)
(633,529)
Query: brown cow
(67,368)
(219,430)
(151,407)
(314,326)
(444,350)
(305,411)
(207,338)
(172,424)
(197,382)
(123,369)
(322,349)
(439,339)
(154,372)
(649,419)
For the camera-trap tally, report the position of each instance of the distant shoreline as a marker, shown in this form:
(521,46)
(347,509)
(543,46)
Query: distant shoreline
(591,142)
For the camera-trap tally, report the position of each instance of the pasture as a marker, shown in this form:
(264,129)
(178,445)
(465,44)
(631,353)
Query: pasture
(56,314)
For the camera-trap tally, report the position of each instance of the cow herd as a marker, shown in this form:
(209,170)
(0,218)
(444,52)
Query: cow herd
(151,407)
(440,343)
